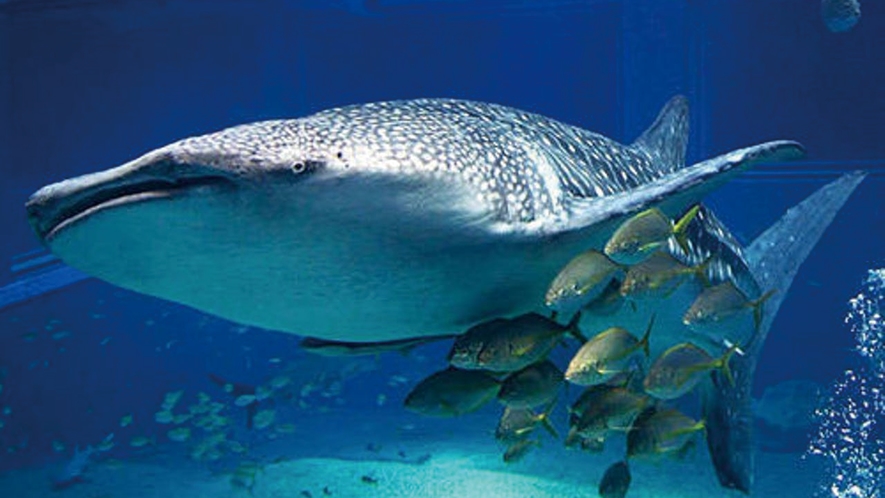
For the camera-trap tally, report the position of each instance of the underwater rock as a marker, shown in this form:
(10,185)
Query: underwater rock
(72,472)
(789,405)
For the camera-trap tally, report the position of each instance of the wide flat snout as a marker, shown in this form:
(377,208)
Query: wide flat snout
(153,175)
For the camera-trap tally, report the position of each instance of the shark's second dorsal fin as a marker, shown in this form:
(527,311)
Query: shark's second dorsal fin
(667,138)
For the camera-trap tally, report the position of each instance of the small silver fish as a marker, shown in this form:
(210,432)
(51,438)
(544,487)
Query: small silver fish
(720,302)
(588,398)
(519,423)
(659,276)
(590,444)
(661,432)
(534,385)
(609,301)
(179,434)
(679,369)
(613,409)
(616,481)
(606,355)
(516,451)
(645,233)
(502,345)
(581,281)
(452,392)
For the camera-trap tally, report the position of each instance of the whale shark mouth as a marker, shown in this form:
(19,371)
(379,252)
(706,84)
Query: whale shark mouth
(60,205)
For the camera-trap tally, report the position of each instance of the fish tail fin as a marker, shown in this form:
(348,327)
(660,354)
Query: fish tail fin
(681,226)
(573,329)
(667,138)
(691,429)
(774,259)
(757,307)
(545,422)
(687,449)
(644,341)
(629,377)
(722,364)
(544,418)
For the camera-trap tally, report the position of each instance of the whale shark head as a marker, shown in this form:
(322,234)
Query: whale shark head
(279,211)
(289,163)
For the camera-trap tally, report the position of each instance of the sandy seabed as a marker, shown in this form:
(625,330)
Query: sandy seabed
(454,469)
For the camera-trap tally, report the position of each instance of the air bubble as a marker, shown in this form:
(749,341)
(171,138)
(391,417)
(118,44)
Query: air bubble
(850,429)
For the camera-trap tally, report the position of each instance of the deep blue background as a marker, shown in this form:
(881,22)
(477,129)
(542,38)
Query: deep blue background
(86,88)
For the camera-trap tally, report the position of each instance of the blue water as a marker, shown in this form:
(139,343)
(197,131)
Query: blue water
(87,85)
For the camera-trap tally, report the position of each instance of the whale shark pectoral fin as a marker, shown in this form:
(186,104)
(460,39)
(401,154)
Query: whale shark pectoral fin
(774,258)
(667,138)
(678,190)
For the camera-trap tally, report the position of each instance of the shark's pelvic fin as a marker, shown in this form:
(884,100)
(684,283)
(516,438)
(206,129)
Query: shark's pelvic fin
(774,258)
(667,138)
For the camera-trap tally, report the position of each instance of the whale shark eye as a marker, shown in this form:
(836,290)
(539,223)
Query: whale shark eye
(300,167)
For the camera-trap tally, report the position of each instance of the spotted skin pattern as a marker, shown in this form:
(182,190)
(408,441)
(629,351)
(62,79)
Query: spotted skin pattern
(522,165)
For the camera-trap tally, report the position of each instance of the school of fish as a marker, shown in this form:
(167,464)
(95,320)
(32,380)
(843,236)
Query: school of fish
(627,390)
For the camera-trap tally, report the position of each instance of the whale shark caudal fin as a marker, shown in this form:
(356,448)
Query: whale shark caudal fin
(667,138)
(774,259)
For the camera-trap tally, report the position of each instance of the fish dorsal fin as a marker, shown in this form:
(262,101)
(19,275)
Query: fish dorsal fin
(667,138)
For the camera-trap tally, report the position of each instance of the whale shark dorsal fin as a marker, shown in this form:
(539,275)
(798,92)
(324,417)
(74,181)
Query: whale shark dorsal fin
(667,138)
(774,259)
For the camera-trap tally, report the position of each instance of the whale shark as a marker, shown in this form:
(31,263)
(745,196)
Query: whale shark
(372,222)
(397,220)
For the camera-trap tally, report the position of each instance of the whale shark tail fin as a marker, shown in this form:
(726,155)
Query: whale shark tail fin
(773,259)
(667,138)
(775,256)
